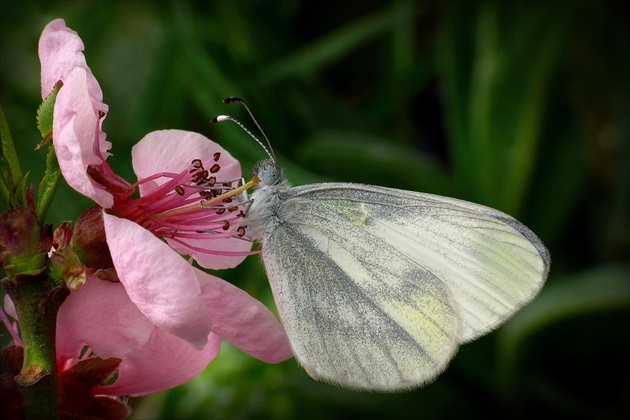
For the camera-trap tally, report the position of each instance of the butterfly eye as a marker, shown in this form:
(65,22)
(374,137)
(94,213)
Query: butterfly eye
(270,175)
(268,172)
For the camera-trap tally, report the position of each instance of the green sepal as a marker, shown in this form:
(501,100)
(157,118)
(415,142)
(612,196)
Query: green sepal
(27,265)
(20,195)
(45,115)
(13,195)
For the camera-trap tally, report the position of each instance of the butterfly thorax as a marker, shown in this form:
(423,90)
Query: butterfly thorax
(266,200)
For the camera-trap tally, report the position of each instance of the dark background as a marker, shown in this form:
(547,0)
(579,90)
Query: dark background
(523,106)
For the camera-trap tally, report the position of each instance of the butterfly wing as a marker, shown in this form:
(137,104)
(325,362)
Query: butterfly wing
(377,287)
(353,318)
(492,264)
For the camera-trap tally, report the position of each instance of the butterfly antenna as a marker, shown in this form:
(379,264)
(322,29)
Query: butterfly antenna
(233,100)
(222,118)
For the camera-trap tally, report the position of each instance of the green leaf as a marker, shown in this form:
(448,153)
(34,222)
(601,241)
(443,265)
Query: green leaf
(45,115)
(596,291)
(48,186)
(359,156)
(314,57)
(5,195)
(9,154)
(498,88)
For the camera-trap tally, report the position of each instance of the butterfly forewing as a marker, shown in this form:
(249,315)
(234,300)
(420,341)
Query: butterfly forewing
(490,263)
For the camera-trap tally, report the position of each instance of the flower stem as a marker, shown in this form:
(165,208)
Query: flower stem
(37,300)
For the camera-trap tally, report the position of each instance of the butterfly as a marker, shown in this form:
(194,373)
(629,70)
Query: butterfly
(378,287)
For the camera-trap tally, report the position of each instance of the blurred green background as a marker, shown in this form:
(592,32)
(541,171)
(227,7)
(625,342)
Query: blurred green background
(523,106)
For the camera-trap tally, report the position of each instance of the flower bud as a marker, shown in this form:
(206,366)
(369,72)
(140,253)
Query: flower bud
(89,241)
(23,243)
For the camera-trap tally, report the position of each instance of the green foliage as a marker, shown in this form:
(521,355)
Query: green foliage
(45,114)
(13,184)
(48,185)
(523,106)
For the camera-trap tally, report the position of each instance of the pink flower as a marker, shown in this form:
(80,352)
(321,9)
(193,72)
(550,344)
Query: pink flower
(171,165)
(152,359)
(164,317)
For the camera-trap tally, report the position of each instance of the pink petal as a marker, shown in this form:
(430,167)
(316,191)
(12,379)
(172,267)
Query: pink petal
(100,315)
(173,151)
(158,280)
(9,307)
(74,129)
(244,321)
(209,260)
(60,52)
(7,311)
(164,362)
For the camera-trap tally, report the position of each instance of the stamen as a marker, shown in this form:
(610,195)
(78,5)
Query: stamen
(190,204)
(255,180)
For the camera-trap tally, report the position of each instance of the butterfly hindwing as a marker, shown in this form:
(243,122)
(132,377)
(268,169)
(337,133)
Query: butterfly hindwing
(358,312)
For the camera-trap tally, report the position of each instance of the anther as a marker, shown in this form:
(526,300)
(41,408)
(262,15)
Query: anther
(215,168)
(180,190)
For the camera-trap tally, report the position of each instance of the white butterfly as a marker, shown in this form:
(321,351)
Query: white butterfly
(377,287)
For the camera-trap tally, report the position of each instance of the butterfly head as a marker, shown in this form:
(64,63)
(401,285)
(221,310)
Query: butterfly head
(268,172)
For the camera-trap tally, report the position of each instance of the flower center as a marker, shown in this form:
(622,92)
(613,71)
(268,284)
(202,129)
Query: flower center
(192,204)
